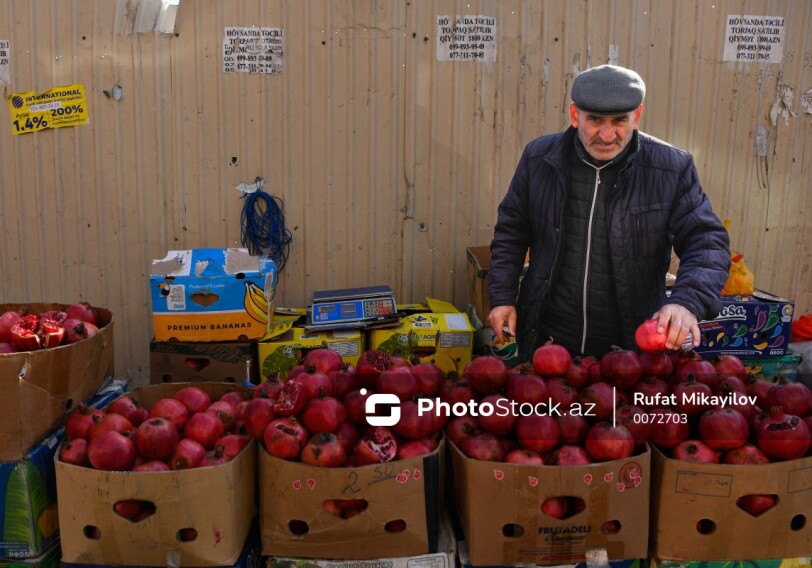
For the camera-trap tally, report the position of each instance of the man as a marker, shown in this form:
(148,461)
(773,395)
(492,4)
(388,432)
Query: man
(600,207)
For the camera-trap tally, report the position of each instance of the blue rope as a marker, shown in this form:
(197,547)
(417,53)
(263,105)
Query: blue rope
(263,227)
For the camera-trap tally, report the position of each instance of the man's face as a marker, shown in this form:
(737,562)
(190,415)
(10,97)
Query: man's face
(604,136)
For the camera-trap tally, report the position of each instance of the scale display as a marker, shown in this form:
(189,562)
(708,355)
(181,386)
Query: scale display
(352,305)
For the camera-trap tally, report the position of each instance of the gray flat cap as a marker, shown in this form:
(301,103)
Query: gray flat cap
(608,89)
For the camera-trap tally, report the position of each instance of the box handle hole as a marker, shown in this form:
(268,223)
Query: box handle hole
(612,526)
(705,526)
(512,530)
(562,507)
(187,534)
(298,527)
(395,526)
(798,522)
(345,508)
(91,532)
(134,510)
(756,504)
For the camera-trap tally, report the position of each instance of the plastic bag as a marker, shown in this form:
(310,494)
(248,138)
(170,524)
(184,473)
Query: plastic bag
(741,280)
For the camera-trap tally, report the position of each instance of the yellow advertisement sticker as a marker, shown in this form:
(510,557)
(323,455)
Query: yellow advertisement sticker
(55,108)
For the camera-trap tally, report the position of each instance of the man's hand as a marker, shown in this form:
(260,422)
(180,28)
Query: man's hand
(677,322)
(500,317)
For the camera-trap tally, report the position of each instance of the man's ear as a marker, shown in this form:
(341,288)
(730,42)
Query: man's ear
(574,115)
(637,115)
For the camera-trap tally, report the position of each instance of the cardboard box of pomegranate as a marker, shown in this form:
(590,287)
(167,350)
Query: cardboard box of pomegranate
(695,515)
(212,295)
(51,558)
(40,387)
(614,496)
(209,362)
(201,516)
(402,499)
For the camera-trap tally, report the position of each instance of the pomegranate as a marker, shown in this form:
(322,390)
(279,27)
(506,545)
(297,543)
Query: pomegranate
(572,428)
(525,388)
(649,338)
(285,437)
(537,432)
(484,447)
(355,406)
(461,428)
(793,398)
(413,424)
(257,415)
(486,374)
(343,380)
(657,364)
(129,408)
(731,383)
(649,389)
(378,445)
(187,454)
(747,454)
(621,368)
(555,507)
(569,455)
(723,428)
(370,365)
(77,330)
(668,427)
(428,379)
(74,452)
(457,390)
(688,397)
(323,360)
(524,457)
(634,418)
(224,411)
(694,451)
(7,321)
(267,389)
(413,448)
(81,420)
(756,504)
(598,399)
(577,373)
(83,311)
(783,436)
(151,465)
(108,422)
(6,348)
(759,387)
(323,414)
(111,451)
(292,398)
(702,371)
(234,398)
(398,381)
(204,427)
(31,333)
(551,360)
(315,383)
(324,450)
(495,416)
(561,393)
(171,409)
(193,398)
(729,365)
(349,436)
(605,442)
(156,439)
(216,456)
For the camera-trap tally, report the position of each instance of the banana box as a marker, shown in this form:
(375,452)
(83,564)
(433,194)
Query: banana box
(212,295)
(29,522)
(443,336)
(286,345)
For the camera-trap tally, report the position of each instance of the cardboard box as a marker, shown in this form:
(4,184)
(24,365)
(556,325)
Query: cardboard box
(754,326)
(444,337)
(250,557)
(294,522)
(51,558)
(517,532)
(28,509)
(596,559)
(279,352)
(211,362)
(40,387)
(695,517)
(445,557)
(212,295)
(775,368)
(218,502)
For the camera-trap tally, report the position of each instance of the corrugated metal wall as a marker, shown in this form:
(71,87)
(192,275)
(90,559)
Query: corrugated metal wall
(389,162)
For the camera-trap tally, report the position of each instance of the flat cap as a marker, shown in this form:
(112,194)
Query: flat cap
(608,89)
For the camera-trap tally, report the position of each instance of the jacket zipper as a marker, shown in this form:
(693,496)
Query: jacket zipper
(590,222)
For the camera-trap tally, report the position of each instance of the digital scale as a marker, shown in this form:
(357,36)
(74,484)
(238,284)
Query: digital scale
(351,308)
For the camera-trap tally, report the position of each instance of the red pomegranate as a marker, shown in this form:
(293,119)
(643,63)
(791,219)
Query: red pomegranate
(723,428)
(572,428)
(355,406)
(494,415)
(524,457)
(324,450)
(650,389)
(783,436)
(323,414)
(745,455)
(556,507)
(370,365)
(691,397)
(756,504)
(32,332)
(343,380)
(316,383)
(551,360)
(7,321)
(428,378)
(634,418)
(74,452)
(729,365)
(562,393)
(577,373)
(702,371)
(413,448)
(484,447)
(77,330)
(598,399)
(108,422)
(171,409)
(649,338)
(111,451)
(187,454)
(657,364)
(694,451)
(156,439)
(204,427)
(413,423)
(151,465)
(457,390)
(323,360)
(129,408)
(537,432)
(793,398)
(525,388)
(570,456)
(292,398)
(621,368)
(193,398)
(285,437)
(267,389)
(605,442)
(378,445)
(81,420)
(83,311)
(398,381)
(461,428)
(486,374)
(668,427)
(257,415)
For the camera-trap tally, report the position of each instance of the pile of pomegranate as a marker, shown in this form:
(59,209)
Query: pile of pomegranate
(318,414)
(24,331)
(584,410)
(185,431)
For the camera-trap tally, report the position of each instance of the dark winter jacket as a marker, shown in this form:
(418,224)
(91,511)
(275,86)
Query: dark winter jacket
(657,203)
